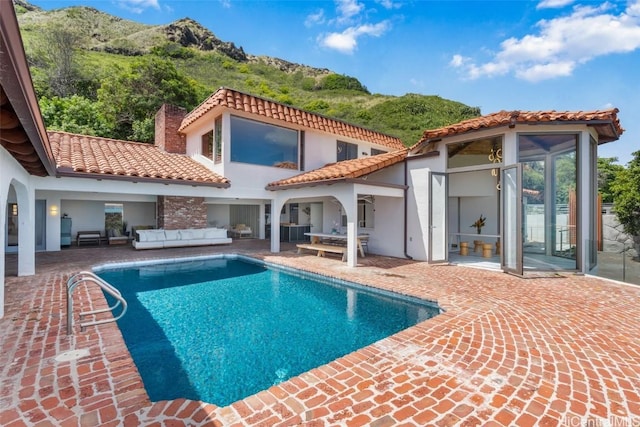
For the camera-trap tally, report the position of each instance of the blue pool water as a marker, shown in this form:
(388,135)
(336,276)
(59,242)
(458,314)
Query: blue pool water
(220,330)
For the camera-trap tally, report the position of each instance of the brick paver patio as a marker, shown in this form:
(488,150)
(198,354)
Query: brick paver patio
(557,350)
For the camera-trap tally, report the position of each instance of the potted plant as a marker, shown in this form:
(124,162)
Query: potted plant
(480,222)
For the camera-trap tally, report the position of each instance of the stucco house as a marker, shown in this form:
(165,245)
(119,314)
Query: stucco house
(238,159)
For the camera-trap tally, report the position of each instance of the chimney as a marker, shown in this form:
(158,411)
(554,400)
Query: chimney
(167,138)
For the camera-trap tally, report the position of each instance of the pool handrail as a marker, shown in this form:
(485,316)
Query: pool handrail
(89,277)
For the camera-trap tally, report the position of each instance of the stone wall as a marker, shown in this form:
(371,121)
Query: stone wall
(181,212)
(614,239)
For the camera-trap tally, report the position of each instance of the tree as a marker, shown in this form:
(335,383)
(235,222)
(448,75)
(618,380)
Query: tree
(626,196)
(608,171)
(55,54)
(76,115)
(132,96)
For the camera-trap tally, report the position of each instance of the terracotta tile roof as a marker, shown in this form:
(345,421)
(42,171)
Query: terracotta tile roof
(605,121)
(81,155)
(240,101)
(340,171)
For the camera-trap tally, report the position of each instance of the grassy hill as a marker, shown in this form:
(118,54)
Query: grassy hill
(105,44)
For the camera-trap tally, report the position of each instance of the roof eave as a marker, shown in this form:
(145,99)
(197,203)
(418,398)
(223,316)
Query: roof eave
(66,172)
(18,86)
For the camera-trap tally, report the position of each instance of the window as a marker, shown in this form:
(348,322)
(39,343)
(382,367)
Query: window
(113,217)
(263,144)
(217,148)
(484,151)
(207,144)
(346,151)
(375,151)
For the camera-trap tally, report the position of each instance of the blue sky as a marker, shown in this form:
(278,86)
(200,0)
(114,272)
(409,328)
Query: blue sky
(496,55)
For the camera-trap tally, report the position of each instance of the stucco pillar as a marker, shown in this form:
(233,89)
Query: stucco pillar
(26,230)
(351,210)
(276,205)
(4,190)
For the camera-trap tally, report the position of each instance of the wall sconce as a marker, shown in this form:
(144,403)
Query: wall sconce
(14,209)
(53,210)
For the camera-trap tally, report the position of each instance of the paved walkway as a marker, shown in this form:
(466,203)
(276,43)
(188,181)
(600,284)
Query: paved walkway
(558,350)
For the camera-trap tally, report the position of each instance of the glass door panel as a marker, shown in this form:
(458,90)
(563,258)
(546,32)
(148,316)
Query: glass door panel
(438,201)
(511,219)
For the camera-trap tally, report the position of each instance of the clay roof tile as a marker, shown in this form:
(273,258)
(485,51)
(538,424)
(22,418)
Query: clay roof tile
(81,154)
(341,170)
(605,122)
(240,101)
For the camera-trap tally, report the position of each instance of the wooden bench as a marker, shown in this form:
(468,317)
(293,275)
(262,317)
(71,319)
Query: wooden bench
(322,248)
(88,236)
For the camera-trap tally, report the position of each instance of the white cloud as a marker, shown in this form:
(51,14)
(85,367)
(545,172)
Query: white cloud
(138,6)
(389,4)
(315,18)
(346,41)
(347,10)
(561,44)
(225,3)
(553,4)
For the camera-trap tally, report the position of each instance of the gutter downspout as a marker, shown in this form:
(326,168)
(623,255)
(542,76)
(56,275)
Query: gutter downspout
(406,204)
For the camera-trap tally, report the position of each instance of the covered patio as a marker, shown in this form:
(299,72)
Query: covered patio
(560,350)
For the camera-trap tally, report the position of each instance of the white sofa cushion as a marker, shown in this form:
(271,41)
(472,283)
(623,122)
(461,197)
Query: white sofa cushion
(186,235)
(197,233)
(172,234)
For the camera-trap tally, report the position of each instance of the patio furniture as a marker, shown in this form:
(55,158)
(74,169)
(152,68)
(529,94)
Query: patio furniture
(115,237)
(323,248)
(240,231)
(154,239)
(88,237)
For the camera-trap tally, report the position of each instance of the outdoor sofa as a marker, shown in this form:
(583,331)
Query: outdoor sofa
(154,239)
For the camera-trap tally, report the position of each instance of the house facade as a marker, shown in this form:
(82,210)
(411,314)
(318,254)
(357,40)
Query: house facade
(238,159)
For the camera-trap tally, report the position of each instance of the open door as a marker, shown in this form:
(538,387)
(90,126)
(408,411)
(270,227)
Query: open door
(511,219)
(438,202)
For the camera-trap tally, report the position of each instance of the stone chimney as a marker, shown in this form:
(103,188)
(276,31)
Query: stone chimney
(167,138)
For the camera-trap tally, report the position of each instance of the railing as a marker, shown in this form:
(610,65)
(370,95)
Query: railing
(88,277)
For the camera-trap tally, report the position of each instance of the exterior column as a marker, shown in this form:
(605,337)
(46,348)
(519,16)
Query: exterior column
(351,209)
(3,243)
(26,231)
(276,205)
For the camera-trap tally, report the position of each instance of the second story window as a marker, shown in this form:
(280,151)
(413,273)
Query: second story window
(375,151)
(207,144)
(217,141)
(346,151)
(263,144)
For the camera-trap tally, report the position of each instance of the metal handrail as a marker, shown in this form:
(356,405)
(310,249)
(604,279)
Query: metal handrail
(89,277)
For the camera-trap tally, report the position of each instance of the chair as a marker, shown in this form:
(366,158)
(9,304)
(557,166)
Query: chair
(241,230)
(115,237)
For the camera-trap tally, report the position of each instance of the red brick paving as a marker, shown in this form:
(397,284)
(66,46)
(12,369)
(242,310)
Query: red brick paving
(562,350)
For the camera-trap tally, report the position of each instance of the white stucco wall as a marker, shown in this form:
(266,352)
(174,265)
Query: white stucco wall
(12,174)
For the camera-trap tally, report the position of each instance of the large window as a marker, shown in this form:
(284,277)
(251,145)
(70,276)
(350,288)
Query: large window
(479,152)
(346,151)
(217,140)
(263,144)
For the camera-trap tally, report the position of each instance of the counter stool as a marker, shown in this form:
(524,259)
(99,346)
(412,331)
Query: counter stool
(477,245)
(487,249)
(464,248)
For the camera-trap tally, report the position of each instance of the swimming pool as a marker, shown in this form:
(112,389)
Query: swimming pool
(222,328)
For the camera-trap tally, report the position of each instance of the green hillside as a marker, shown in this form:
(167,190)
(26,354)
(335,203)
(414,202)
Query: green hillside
(99,74)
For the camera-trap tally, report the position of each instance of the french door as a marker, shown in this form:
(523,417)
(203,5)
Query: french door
(438,202)
(511,219)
